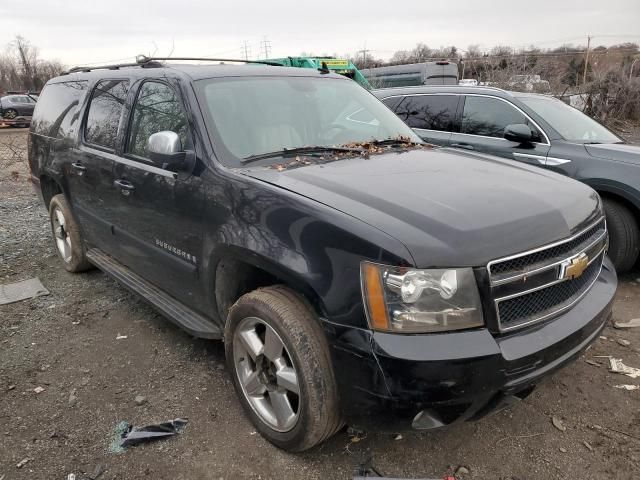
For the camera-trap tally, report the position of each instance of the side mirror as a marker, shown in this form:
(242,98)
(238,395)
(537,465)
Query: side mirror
(165,150)
(518,132)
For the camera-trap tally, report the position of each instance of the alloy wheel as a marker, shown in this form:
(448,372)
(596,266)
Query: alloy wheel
(63,240)
(266,374)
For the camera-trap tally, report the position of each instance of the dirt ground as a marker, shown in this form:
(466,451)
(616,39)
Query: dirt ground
(68,343)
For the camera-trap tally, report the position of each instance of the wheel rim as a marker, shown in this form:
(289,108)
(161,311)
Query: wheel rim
(10,114)
(266,374)
(63,240)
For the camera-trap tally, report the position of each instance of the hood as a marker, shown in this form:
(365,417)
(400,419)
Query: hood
(619,152)
(449,208)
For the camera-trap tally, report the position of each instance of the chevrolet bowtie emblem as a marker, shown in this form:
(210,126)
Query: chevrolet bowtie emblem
(573,267)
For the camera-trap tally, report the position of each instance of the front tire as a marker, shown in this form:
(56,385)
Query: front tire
(279,361)
(66,235)
(624,235)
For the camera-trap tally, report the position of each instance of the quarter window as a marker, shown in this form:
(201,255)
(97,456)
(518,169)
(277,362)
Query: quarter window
(429,112)
(489,116)
(104,113)
(57,111)
(157,109)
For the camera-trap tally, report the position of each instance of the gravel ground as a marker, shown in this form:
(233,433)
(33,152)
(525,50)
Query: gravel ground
(67,344)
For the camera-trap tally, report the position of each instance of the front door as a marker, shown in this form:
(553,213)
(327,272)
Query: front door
(159,223)
(482,125)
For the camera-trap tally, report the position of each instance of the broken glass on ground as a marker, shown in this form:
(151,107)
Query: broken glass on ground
(15,292)
(126,435)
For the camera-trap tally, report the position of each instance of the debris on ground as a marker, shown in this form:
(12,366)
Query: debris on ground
(593,362)
(367,470)
(558,424)
(627,387)
(398,437)
(462,470)
(121,337)
(38,389)
(588,446)
(71,476)
(15,292)
(633,323)
(140,400)
(356,435)
(618,367)
(126,435)
(623,342)
(96,472)
(22,462)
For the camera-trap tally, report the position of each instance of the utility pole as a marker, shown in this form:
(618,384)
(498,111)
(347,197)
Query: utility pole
(265,46)
(246,50)
(364,52)
(586,60)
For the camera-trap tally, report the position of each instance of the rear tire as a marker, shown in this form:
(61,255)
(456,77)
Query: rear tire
(310,416)
(67,238)
(624,235)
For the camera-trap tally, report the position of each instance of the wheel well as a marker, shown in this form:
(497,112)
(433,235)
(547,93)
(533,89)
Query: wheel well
(234,278)
(50,188)
(632,208)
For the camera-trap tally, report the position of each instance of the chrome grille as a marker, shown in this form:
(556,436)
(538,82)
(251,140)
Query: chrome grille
(528,288)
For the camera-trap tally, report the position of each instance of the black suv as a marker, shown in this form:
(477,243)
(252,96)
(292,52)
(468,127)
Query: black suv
(539,130)
(353,273)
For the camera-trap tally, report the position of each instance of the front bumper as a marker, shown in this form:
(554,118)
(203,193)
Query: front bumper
(391,382)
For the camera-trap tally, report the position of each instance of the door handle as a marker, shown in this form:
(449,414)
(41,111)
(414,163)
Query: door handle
(466,146)
(78,167)
(125,186)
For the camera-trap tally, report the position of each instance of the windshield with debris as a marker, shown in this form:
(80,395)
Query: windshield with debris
(260,115)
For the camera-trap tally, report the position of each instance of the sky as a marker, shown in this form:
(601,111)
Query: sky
(81,32)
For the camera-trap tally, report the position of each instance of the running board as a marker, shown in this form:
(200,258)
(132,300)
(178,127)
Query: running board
(192,322)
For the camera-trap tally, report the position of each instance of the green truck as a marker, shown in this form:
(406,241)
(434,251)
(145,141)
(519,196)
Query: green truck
(337,65)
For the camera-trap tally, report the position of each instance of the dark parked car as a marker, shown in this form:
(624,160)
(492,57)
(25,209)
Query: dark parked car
(538,130)
(353,273)
(16,110)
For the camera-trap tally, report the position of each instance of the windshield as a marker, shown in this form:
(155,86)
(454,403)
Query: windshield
(570,123)
(258,115)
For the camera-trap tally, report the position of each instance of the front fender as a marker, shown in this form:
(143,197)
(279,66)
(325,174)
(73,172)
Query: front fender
(311,247)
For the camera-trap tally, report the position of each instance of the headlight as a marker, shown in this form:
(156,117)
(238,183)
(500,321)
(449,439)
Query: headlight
(407,300)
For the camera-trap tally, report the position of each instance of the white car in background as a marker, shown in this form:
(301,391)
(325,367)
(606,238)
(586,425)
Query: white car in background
(468,82)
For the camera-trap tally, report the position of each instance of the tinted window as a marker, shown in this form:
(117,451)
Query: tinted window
(157,109)
(104,112)
(56,113)
(488,116)
(392,102)
(432,112)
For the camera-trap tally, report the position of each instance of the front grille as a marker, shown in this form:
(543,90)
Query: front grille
(540,304)
(532,286)
(561,250)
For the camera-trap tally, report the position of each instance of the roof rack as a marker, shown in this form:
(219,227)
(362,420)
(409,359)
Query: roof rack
(155,62)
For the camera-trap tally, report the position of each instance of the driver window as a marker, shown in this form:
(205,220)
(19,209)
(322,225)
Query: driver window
(157,109)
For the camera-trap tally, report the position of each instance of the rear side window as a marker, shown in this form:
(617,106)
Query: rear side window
(488,116)
(104,114)
(57,110)
(157,109)
(392,102)
(429,112)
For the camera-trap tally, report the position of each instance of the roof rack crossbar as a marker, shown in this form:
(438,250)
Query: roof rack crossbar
(148,62)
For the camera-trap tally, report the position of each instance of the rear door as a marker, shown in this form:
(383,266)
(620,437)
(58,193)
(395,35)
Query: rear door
(159,220)
(482,125)
(89,171)
(430,115)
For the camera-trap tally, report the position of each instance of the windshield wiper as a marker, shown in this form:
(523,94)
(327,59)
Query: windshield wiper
(286,152)
(393,141)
